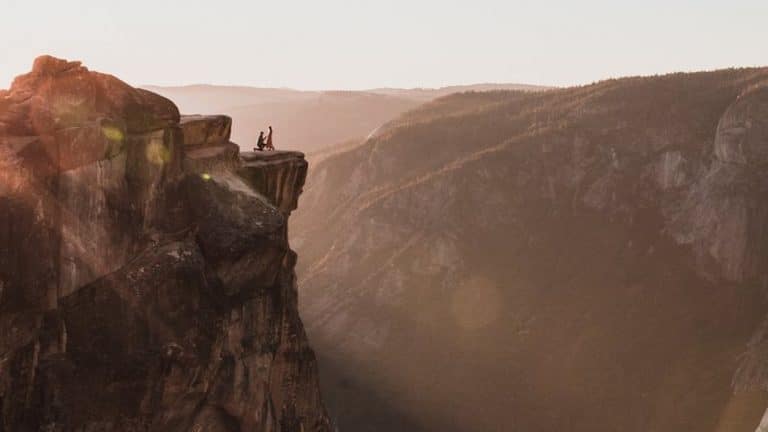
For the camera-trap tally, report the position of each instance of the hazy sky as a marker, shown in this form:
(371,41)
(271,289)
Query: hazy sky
(362,44)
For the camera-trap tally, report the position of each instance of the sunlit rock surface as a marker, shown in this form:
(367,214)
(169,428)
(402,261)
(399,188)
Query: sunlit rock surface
(277,175)
(146,281)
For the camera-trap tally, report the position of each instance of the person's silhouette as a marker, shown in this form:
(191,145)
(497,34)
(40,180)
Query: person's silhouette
(270,146)
(260,143)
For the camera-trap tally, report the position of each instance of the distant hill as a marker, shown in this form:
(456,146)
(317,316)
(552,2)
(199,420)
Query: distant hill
(427,94)
(214,99)
(312,124)
(305,120)
(582,259)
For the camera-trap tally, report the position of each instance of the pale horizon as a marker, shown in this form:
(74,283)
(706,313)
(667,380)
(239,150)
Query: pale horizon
(340,45)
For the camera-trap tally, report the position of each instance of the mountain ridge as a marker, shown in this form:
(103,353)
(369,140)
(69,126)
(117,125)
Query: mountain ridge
(560,247)
(310,121)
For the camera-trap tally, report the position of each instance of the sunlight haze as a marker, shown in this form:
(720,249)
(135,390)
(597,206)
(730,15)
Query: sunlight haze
(364,44)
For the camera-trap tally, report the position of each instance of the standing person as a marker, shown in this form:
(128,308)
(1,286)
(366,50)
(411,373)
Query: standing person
(270,146)
(260,143)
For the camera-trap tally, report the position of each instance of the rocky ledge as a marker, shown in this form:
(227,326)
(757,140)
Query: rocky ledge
(146,281)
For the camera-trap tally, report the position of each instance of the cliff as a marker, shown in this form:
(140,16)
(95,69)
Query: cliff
(146,280)
(583,259)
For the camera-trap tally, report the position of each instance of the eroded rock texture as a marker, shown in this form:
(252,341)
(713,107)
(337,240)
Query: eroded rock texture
(146,281)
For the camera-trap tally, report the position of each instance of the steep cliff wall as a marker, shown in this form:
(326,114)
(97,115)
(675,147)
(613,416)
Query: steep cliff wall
(146,281)
(582,259)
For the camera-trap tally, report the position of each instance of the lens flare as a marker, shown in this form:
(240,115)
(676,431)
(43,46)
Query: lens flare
(112,133)
(205,176)
(157,153)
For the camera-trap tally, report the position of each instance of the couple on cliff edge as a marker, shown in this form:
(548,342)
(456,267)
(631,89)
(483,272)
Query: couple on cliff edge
(263,144)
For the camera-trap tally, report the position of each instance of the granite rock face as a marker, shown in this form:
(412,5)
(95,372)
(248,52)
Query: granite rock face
(146,280)
(726,210)
(581,259)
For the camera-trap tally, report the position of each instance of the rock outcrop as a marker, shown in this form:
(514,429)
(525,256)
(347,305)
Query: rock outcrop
(146,280)
(725,210)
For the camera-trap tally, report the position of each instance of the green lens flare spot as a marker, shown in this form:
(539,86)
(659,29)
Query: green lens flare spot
(158,153)
(205,176)
(112,133)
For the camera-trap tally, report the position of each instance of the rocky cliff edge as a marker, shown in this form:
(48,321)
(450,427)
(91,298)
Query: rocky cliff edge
(146,281)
